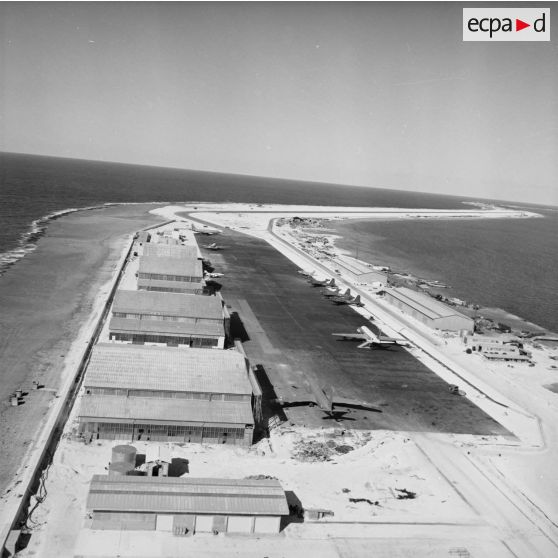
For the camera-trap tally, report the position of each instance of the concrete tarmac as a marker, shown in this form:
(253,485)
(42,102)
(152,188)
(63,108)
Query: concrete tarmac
(286,326)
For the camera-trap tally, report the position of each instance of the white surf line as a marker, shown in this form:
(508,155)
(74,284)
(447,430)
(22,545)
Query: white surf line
(24,479)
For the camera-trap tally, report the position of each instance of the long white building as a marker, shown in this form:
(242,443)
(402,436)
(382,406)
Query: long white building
(428,310)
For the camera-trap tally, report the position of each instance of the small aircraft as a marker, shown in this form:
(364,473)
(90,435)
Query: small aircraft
(207,231)
(213,275)
(324,397)
(213,246)
(321,282)
(370,340)
(347,299)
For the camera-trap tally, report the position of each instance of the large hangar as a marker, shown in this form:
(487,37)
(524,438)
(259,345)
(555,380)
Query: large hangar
(147,393)
(170,250)
(173,319)
(429,311)
(170,274)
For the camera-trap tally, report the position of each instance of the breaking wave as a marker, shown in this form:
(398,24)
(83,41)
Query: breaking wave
(27,242)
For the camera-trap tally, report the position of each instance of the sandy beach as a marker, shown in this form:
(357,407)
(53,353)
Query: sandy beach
(46,298)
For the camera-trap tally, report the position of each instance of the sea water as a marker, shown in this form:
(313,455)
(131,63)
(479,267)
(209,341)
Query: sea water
(506,263)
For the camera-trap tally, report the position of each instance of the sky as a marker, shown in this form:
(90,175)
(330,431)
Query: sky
(372,94)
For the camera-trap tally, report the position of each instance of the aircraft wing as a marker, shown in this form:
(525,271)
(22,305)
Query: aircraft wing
(393,341)
(355,404)
(352,336)
(304,399)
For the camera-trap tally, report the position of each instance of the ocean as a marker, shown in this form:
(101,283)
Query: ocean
(506,263)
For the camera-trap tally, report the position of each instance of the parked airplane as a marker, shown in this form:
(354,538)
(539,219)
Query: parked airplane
(213,275)
(212,246)
(324,397)
(329,292)
(321,282)
(343,299)
(369,339)
(207,231)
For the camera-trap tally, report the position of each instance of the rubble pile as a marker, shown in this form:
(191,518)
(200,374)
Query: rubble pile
(311,451)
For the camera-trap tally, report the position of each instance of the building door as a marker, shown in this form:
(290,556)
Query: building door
(183,525)
(204,523)
(220,523)
(267,524)
(164,522)
(240,524)
(193,435)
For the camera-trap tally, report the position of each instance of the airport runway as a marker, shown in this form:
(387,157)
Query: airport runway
(288,326)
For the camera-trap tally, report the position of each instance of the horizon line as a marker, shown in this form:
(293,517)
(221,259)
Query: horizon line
(285,179)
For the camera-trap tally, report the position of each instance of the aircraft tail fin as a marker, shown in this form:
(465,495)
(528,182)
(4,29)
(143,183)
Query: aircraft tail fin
(328,392)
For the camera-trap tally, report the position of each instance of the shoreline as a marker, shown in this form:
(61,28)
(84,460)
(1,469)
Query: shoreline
(39,455)
(38,228)
(410,270)
(408,277)
(46,300)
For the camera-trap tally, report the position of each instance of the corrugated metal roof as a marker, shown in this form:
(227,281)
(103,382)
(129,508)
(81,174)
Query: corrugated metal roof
(168,240)
(168,304)
(171,266)
(192,287)
(161,368)
(187,235)
(164,327)
(170,250)
(144,236)
(359,269)
(424,304)
(187,495)
(167,410)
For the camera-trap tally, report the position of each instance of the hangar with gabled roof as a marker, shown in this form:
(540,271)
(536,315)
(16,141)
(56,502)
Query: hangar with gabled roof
(185,506)
(174,319)
(170,274)
(136,392)
(427,310)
